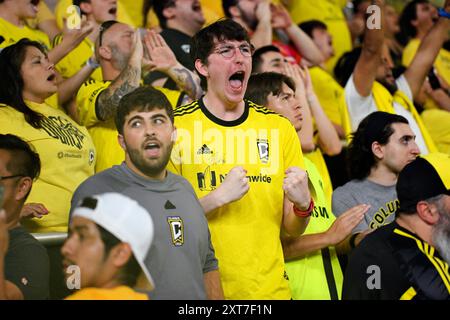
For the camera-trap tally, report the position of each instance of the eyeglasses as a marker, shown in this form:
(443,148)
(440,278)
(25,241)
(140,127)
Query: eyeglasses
(10,177)
(229,51)
(103,27)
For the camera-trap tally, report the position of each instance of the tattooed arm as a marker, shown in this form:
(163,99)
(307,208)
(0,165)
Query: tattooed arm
(128,80)
(161,58)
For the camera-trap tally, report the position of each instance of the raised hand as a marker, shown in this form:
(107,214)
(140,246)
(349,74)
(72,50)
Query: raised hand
(263,11)
(281,19)
(295,186)
(75,36)
(160,56)
(345,223)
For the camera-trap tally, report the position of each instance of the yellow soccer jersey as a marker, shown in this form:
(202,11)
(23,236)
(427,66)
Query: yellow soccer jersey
(104,133)
(329,93)
(76,59)
(67,155)
(245,233)
(330,13)
(437,122)
(318,275)
(13,34)
(316,157)
(442,62)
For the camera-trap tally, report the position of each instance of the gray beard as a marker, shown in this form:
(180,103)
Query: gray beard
(441,236)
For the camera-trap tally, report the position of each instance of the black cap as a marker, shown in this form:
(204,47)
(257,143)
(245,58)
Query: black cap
(424,178)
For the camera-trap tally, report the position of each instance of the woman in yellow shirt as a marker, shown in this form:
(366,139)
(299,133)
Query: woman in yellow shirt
(66,149)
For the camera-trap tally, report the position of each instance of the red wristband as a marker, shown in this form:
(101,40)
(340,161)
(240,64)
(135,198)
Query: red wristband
(306,213)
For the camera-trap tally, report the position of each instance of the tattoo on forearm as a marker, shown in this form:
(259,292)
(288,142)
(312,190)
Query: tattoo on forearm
(187,83)
(109,99)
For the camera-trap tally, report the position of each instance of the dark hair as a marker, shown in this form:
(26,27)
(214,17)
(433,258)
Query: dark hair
(26,160)
(141,99)
(203,41)
(226,4)
(409,14)
(78,2)
(377,126)
(309,26)
(257,59)
(11,81)
(158,8)
(130,272)
(345,65)
(260,85)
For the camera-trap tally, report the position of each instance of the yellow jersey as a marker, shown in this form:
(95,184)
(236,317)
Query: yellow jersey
(104,133)
(67,155)
(76,59)
(318,275)
(245,233)
(117,293)
(437,122)
(12,34)
(329,92)
(329,12)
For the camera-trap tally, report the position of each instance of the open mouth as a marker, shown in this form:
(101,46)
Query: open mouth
(51,77)
(152,148)
(113,10)
(236,80)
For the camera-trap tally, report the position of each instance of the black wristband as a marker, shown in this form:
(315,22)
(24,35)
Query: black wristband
(352,240)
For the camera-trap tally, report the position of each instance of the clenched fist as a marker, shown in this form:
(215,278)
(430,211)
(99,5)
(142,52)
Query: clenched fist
(234,186)
(295,186)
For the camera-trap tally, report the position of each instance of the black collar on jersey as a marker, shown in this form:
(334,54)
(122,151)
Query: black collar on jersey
(421,264)
(221,122)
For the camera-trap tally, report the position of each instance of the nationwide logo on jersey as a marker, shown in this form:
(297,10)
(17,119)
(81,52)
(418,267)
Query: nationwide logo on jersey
(176,230)
(204,150)
(263,150)
(207,180)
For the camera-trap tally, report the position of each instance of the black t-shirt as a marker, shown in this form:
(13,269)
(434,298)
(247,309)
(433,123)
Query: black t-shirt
(27,264)
(180,43)
(392,263)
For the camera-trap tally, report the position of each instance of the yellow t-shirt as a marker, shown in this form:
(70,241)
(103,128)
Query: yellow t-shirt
(438,124)
(117,293)
(245,233)
(329,92)
(76,59)
(67,159)
(61,12)
(104,133)
(314,276)
(442,62)
(330,13)
(13,34)
(316,157)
